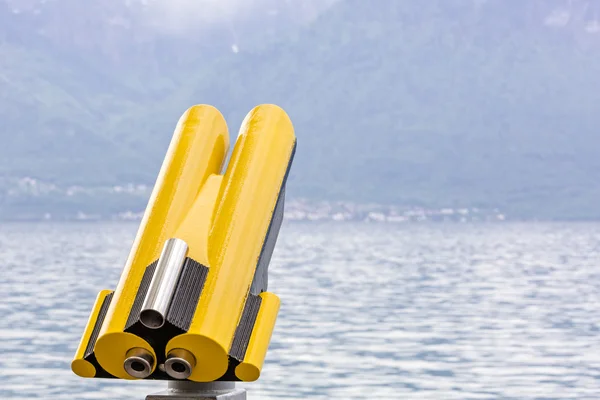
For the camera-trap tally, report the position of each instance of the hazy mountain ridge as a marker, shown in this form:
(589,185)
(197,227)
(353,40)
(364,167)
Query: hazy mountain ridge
(441,104)
(444,104)
(119,32)
(71,71)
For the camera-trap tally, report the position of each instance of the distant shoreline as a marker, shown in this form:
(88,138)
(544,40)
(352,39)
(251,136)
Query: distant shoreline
(315,222)
(295,210)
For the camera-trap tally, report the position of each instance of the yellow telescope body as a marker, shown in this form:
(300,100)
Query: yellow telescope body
(191,303)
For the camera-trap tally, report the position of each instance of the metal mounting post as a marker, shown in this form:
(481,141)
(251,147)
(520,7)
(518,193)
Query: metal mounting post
(186,390)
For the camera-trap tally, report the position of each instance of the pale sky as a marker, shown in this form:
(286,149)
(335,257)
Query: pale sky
(184,14)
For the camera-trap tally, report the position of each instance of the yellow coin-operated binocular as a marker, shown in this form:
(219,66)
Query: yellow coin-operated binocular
(191,303)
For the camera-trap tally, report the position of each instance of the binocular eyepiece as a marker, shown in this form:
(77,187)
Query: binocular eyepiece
(139,363)
(178,365)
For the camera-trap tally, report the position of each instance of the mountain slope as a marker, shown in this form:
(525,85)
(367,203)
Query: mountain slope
(442,104)
(76,80)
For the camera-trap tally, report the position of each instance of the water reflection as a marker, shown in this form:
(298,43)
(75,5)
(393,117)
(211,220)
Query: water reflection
(368,311)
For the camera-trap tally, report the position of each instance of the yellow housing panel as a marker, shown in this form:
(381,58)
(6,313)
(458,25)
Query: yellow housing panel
(197,150)
(246,202)
(195,227)
(249,369)
(79,365)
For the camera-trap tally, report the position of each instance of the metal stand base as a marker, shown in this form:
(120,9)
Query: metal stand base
(186,390)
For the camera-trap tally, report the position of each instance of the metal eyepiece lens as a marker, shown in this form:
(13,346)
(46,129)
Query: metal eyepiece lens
(180,363)
(179,367)
(138,363)
(138,366)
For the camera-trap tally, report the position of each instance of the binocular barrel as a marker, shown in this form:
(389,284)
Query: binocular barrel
(192,302)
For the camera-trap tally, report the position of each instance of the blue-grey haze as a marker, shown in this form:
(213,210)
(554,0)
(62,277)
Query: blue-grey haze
(443,103)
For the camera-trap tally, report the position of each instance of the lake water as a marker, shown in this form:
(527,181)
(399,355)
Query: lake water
(482,311)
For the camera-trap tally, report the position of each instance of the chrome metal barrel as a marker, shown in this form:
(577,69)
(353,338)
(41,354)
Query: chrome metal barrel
(163,284)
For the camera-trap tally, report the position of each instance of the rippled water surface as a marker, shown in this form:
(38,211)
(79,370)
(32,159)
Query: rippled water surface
(505,311)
